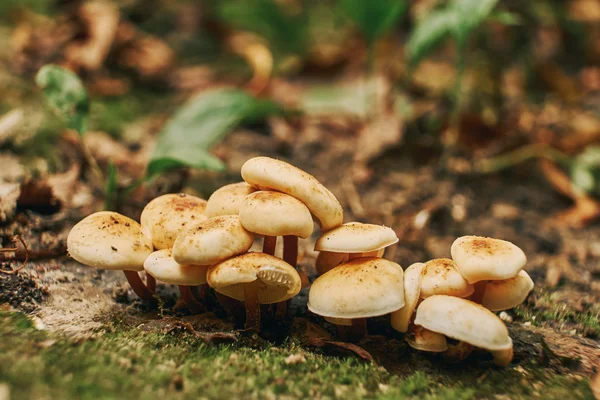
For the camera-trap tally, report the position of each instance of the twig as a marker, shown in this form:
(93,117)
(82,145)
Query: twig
(353,197)
(13,249)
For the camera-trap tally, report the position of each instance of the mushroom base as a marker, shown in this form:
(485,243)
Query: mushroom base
(138,286)
(353,333)
(186,295)
(252,305)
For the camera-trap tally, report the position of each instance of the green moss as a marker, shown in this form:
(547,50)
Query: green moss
(126,362)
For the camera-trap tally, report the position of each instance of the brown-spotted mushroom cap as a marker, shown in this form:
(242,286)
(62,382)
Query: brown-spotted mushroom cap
(270,174)
(163,267)
(327,260)
(463,320)
(169,215)
(360,288)
(412,293)
(278,281)
(425,340)
(275,214)
(228,199)
(356,237)
(109,240)
(440,276)
(507,293)
(211,241)
(482,258)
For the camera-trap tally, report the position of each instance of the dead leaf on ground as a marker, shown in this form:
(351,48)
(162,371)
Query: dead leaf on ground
(104,148)
(357,350)
(8,123)
(107,86)
(435,77)
(175,325)
(148,56)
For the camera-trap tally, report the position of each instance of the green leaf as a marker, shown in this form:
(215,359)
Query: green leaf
(110,192)
(374,17)
(187,137)
(506,18)
(585,170)
(429,33)
(66,95)
(469,15)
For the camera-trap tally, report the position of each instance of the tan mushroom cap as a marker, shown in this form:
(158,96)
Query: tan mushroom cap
(360,288)
(463,320)
(440,276)
(270,174)
(339,321)
(423,339)
(275,214)
(482,258)
(109,240)
(163,267)
(211,241)
(169,215)
(412,293)
(356,237)
(508,293)
(278,281)
(326,260)
(228,199)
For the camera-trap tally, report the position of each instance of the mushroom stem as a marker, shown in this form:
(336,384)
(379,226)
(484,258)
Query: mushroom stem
(457,353)
(151,283)
(201,292)
(376,253)
(503,357)
(354,255)
(185,292)
(359,328)
(252,306)
(281,310)
(290,250)
(138,286)
(479,291)
(233,306)
(269,244)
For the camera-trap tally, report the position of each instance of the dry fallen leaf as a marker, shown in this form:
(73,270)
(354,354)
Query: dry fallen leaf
(359,351)
(148,56)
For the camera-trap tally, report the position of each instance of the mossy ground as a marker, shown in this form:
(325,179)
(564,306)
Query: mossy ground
(127,362)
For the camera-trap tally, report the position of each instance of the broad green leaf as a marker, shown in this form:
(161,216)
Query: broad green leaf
(187,137)
(585,170)
(374,17)
(66,95)
(429,33)
(469,15)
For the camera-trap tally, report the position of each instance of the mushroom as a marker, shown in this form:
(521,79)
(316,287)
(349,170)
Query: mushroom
(423,339)
(440,276)
(163,267)
(270,174)
(326,260)
(355,290)
(400,319)
(227,200)
(110,240)
(169,215)
(482,259)
(468,322)
(507,293)
(355,239)
(255,278)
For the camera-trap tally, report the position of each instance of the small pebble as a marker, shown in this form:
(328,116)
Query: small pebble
(527,323)
(505,317)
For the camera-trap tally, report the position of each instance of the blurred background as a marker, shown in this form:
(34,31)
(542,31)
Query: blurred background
(437,118)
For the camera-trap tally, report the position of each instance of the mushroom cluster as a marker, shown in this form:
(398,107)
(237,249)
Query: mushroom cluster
(443,305)
(455,299)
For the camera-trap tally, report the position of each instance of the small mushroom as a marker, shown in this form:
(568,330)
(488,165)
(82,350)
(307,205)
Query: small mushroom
(401,318)
(357,289)
(440,276)
(255,278)
(423,339)
(163,267)
(482,259)
(327,260)
(167,216)
(507,293)
(228,199)
(270,174)
(468,322)
(109,240)
(355,239)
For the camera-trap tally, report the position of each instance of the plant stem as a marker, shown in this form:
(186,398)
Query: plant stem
(138,287)
(520,155)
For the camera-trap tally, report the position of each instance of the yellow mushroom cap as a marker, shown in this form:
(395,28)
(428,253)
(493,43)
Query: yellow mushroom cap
(169,215)
(425,340)
(211,241)
(412,292)
(440,276)
(356,237)
(275,214)
(278,280)
(326,260)
(109,240)
(163,267)
(270,174)
(482,258)
(228,199)
(508,293)
(463,320)
(360,288)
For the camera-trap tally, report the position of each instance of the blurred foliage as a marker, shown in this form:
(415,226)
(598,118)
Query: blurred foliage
(374,17)
(585,170)
(66,95)
(187,137)
(110,191)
